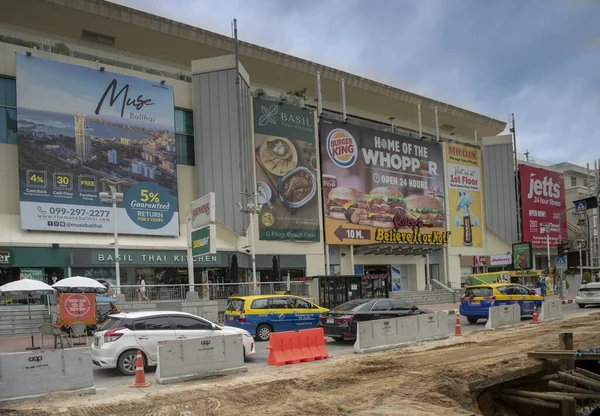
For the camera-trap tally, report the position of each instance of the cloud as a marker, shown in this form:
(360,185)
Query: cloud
(538,59)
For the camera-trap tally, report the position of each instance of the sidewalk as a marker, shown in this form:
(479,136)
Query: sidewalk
(451,308)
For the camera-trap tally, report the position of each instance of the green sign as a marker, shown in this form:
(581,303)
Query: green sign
(204,241)
(151,258)
(35,274)
(6,257)
(522,256)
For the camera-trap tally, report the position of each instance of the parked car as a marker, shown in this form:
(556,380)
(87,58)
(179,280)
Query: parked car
(117,341)
(340,323)
(588,294)
(478,299)
(261,315)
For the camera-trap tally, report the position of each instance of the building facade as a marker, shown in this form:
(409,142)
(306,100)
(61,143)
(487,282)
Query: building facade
(470,161)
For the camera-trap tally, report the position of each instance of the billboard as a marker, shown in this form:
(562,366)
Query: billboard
(286,172)
(542,202)
(464,195)
(380,187)
(79,127)
(522,256)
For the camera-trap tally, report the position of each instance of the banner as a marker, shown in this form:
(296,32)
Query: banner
(80,126)
(522,256)
(34,274)
(380,187)
(542,202)
(464,195)
(286,172)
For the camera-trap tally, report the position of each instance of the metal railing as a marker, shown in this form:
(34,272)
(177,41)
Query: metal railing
(439,285)
(215,291)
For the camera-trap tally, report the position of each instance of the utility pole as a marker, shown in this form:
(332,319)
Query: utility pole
(516,173)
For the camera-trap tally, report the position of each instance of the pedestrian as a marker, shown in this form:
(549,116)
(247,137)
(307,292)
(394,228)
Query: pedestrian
(142,289)
(543,287)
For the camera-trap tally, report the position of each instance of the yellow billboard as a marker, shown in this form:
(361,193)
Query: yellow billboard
(464,195)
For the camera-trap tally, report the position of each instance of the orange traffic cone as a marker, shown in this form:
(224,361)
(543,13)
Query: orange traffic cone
(140,377)
(457,331)
(535,315)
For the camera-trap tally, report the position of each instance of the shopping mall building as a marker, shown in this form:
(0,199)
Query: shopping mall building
(274,120)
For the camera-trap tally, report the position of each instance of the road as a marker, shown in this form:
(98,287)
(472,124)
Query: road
(104,378)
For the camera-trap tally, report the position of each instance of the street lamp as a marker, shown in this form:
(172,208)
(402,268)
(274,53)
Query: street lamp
(546,230)
(113,197)
(251,209)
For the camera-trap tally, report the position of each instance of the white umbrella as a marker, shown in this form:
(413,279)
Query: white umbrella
(79,284)
(27,287)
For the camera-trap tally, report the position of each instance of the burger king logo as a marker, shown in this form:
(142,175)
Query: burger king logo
(342,148)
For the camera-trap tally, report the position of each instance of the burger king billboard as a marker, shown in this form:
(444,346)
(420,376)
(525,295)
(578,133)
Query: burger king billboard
(380,187)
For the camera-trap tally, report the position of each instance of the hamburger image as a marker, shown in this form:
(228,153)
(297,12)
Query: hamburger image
(347,204)
(427,208)
(384,204)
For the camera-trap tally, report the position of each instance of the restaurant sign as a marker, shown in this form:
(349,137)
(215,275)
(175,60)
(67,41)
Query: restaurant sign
(5,256)
(151,258)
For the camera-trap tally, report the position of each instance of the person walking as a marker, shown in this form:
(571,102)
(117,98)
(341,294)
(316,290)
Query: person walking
(543,286)
(142,290)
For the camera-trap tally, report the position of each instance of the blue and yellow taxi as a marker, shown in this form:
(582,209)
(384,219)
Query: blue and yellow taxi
(478,299)
(261,315)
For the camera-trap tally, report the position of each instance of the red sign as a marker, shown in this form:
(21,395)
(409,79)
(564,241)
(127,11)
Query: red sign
(77,307)
(542,203)
(480,260)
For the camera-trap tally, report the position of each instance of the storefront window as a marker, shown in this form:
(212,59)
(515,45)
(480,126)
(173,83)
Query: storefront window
(184,137)
(8,111)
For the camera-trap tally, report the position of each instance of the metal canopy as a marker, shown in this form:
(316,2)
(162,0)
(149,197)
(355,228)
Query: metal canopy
(395,249)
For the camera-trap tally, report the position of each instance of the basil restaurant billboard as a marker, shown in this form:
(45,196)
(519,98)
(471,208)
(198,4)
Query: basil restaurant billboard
(79,126)
(542,202)
(380,187)
(286,172)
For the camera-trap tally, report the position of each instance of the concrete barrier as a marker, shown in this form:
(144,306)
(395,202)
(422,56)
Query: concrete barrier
(503,316)
(551,310)
(26,374)
(197,358)
(384,334)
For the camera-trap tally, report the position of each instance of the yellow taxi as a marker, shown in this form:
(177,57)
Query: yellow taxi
(263,314)
(478,299)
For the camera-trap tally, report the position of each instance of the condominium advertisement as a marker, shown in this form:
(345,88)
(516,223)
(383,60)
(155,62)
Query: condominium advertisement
(464,195)
(380,187)
(286,172)
(83,131)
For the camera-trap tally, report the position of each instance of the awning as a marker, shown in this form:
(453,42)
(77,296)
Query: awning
(396,249)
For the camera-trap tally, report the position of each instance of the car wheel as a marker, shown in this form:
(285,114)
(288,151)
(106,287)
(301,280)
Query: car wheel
(472,320)
(263,332)
(581,305)
(127,362)
(337,339)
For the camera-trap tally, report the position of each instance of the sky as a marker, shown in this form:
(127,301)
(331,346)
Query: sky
(71,89)
(538,59)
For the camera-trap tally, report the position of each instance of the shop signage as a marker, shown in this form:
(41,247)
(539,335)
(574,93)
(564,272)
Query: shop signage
(464,195)
(542,202)
(204,241)
(35,274)
(480,261)
(90,126)
(203,211)
(500,260)
(286,172)
(151,258)
(6,257)
(522,258)
(380,187)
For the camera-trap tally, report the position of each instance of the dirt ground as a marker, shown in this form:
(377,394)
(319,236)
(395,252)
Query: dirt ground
(430,379)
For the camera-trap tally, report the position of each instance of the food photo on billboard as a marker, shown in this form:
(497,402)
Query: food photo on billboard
(78,128)
(286,172)
(380,187)
(522,257)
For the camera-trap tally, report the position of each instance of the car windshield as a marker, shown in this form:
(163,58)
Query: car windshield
(353,306)
(113,322)
(235,305)
(478,292)
(590,289)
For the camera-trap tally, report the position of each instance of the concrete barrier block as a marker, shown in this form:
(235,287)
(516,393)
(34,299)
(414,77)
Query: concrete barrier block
(386,334)
(26,374)
(551,310)
(197,358)
(503,316)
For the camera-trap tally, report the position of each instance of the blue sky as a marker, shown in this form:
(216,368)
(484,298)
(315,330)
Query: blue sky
(539,59)
(55,86)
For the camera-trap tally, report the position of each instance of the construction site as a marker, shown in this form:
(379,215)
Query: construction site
(545,369)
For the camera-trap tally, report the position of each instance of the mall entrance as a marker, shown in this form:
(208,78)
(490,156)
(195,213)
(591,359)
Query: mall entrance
(335,290)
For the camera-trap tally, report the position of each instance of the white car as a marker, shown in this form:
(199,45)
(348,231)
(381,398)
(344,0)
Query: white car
(588,294)
(117,341)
